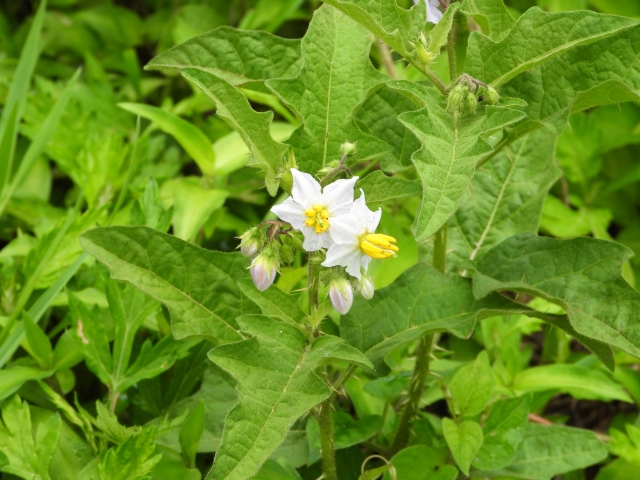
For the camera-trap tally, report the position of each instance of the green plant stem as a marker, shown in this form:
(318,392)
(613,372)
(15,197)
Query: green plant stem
(326,441)
(423,356)
(451,53)
(418,379)
(440,248)
(314,284)
(434,78)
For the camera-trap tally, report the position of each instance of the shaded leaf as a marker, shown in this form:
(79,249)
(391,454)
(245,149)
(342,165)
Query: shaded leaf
(380,188)
(581,275)
(472,385)
(464,440)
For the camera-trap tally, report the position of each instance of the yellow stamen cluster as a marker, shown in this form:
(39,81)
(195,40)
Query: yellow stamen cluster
(318,218)
(377,245)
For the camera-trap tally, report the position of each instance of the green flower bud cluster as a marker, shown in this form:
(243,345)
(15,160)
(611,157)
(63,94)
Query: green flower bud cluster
(464,97)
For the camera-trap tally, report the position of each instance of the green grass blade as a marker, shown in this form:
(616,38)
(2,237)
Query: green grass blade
(17,97)
(39,143)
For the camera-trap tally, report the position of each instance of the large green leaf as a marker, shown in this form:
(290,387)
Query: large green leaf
(505,197)
(536,37)
(274,302)
(196,285)
(547,451)
(600,73)
(237,56)
(581,275)
(413,306)
(451,147)
(398,27)
(233,107)
(334,48)
(276,386)
(492,16)
(28,457)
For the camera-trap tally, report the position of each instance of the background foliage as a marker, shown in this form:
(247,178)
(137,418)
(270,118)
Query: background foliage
(93,382)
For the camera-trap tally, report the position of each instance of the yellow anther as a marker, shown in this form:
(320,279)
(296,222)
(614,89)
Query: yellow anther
(318,218)
(378,246)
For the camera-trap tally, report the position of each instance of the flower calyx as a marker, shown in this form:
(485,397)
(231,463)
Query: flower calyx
(251,242)
(466,94)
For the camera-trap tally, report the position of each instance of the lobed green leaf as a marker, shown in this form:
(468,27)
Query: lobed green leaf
(492,16)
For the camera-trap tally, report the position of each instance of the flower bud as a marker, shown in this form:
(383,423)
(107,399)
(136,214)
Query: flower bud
(470,103)
(348,148)
(456,98)
(263,270)
(251,242)
(491,96)
(366,287)
(341,295)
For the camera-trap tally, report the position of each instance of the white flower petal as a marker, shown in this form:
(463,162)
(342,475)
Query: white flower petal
(339,194)
(292,212)
(345,229)
(314,241)
(362,213)
(374,220)
(433,13)
(305,190)
(364,262)
(353,268)
(341,254)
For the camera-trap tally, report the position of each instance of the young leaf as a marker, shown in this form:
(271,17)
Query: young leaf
(492,16)
(39,343)
(132,460)
(253,126)
(276,386)
(334,48)
(414,303)
(581,275)
(190,137)
(536,37)
(505,196)
(568,84)
(28,457)
(380,188)
(398,27)
(438,34)
(503,433)
(472,385)
(273,302)
(547,451)
(196,285)
(464,440)
(237,56)
(11,379)
(451,147)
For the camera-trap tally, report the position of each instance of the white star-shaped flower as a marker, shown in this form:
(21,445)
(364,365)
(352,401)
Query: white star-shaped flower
(312,209)
(356,242)
(433,13)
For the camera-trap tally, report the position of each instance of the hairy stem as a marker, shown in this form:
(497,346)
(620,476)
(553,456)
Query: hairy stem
(418,379)
(387,59)
(326,441)
(451,53)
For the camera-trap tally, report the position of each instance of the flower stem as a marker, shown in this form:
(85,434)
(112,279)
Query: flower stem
(326,441)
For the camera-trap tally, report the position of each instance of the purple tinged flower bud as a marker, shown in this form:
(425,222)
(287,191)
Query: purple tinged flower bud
(341,295)
(263,270)
(366,287)
(251,242)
